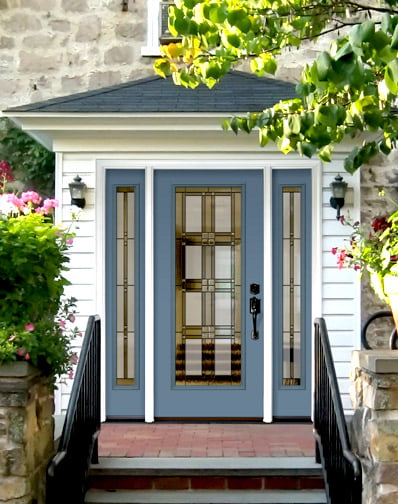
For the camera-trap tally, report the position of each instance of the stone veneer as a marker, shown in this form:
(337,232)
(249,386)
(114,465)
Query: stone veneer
(51,48)
(26,433)
(381,174)
(375,423)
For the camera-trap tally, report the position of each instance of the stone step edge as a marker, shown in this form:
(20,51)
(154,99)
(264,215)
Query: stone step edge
(193,466)
(200,482)
(206,497)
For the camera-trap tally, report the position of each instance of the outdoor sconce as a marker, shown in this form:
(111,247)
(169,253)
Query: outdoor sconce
(339,188)
(77,190)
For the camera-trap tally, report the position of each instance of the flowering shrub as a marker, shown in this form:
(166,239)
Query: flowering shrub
(373,248)
(5,174)
(35,318)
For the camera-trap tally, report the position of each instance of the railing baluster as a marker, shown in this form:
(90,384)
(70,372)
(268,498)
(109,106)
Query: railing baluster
(342,470)
(67,471)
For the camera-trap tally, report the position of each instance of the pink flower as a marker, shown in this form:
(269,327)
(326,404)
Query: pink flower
(48,204)
(71,317)
(342,219)
(334,250)
(69,241)
(70,374)
(29,327)
(31,196)
(14,200)
(21,352)
(341,259)
(62,324)
(74,358)
(80,335)
(27,357)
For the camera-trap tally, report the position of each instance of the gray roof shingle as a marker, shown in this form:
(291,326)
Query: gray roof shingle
(236,92)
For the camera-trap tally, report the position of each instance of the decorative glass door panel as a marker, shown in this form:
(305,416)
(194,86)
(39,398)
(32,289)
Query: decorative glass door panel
(208,285)
(206,364)
(292,199)
(292,293)
(124,294)
(125,244)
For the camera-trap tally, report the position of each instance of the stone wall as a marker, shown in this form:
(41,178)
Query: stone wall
(375,423)
(26,434)
(52,48)
(381,174)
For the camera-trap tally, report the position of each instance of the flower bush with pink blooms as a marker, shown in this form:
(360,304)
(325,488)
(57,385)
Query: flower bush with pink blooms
(36,321)
(372,247)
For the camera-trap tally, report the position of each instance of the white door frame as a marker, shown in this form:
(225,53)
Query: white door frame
(193,164)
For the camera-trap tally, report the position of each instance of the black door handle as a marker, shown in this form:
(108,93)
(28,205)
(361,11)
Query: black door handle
(254,310)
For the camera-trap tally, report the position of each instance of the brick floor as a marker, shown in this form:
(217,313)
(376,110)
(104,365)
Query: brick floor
(206,440)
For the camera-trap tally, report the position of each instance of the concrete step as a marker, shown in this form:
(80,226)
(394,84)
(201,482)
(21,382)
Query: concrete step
(206,497)
(196,480)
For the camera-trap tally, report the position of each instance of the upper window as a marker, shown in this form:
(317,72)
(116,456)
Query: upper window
(158,31)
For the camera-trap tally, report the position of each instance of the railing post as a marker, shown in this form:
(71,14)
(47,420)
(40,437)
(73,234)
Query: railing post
(375,422)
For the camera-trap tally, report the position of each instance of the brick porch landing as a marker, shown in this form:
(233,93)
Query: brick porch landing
(228,440)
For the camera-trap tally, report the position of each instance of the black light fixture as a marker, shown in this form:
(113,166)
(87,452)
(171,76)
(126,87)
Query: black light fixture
(77,190)
(339,188)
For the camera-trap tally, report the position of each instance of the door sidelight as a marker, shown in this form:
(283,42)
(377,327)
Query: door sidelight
(254,309)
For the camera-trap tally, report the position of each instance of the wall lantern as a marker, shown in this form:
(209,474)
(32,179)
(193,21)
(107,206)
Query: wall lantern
(77,190)
(339,188)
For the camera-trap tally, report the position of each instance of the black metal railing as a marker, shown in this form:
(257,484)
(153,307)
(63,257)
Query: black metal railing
(393,341)
(78,445)
(341,468)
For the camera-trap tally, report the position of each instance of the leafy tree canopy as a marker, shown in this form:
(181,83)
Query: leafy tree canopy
(348,90)
(30,162)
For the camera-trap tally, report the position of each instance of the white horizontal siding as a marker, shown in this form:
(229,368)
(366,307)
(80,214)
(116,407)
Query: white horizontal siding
(340,287)
(81,272)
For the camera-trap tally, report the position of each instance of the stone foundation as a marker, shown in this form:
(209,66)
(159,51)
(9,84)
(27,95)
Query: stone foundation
(26,433)
(375,423)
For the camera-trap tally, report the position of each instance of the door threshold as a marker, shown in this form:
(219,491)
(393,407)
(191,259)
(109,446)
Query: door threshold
(292,419)
(209,419)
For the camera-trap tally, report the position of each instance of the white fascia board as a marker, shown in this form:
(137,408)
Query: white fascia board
(41,137)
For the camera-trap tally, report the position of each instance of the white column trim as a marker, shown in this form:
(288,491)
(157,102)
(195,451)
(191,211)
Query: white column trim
(149,297)
(267,298)
(100,214)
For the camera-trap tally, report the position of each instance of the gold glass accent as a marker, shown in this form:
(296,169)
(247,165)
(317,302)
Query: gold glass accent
(208,286)
(125,286)
(291,286)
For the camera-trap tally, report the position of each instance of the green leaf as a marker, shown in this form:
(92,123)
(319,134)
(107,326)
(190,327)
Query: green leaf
(324,62)
(391,76)
(234,40)
(362,33)
(294,123)
(162,67)
(306,149)
(244,24)
(386,23)
(235,15)
(344,52)
(325,154)
(394,39)
(217,13)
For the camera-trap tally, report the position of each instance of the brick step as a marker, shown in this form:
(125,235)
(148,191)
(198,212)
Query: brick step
(206,497)
(152,478)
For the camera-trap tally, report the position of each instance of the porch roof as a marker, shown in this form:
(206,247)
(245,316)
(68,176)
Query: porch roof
(236,92)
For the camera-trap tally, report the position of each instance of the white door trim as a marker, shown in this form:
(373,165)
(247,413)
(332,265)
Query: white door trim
(193,164)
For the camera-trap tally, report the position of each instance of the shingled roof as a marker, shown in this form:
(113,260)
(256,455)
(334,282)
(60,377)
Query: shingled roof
(237,92)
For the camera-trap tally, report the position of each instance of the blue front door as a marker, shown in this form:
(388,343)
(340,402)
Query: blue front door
(208,269)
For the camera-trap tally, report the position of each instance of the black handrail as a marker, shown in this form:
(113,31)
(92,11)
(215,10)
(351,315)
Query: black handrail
(393,342)
(78,445)
(341,468)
